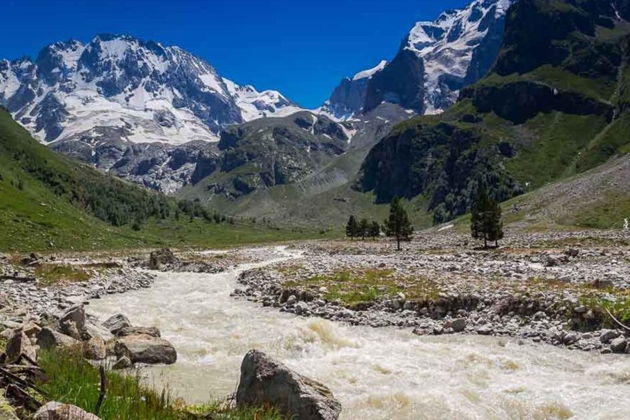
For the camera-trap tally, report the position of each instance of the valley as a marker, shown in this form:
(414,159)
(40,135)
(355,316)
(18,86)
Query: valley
(446,236)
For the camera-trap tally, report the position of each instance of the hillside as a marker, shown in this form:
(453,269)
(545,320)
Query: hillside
(48,201)
(553,106)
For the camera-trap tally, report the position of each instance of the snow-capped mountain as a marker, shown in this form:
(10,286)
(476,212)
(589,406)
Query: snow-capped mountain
(124,89)
(435,61)
(451,43)
(348,98)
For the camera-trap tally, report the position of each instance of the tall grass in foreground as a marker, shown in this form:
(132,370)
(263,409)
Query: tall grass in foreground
(73,380)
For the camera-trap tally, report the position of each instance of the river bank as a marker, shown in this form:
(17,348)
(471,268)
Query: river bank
(374,372)
(563,288)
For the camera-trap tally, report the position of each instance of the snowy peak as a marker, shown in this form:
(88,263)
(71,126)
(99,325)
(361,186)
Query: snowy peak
(370,72)
(435,61)
(120,88)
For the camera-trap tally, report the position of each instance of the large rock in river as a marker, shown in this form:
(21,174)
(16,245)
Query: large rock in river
(162,258)
(116,323)
(266,381)
(146,349)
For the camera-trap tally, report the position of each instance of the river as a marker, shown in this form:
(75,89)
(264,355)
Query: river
(381,373)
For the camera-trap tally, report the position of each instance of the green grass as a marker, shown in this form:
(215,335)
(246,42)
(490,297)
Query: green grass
(608,213)
(353,287)
(558,78)
(50,274)
(73,380)
(557,140)
(49,202)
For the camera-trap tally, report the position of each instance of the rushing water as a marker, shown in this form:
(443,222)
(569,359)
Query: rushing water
(376,373)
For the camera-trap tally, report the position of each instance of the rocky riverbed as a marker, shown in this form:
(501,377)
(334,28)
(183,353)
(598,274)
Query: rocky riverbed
(563,288)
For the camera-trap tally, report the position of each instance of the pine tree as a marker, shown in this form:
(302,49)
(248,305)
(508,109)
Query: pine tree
(363,228)
(485,221)
(374,230)
(398,225)
(352,227)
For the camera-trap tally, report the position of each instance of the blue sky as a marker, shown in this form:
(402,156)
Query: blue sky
(301,48)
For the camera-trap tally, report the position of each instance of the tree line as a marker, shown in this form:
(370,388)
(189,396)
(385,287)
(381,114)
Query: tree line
(485,221)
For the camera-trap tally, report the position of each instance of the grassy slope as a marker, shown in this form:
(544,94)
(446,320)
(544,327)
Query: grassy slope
(35,217)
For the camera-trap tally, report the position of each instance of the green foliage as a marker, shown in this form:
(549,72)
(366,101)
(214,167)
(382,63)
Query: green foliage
(363,228)
(73,380)
(374,230)
(485,219)
(352,227)
(398,225)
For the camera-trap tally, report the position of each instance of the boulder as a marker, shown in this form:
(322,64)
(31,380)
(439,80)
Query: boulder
(19,344)
(122,363)
(69,328)
(152,331)
(75,314)
(162,258)
(116,323)
(457,324)
(93,330)
(48,338)
(266,381)
(618,345)
(58,411)
(608,335)
(146,349)
(94,349)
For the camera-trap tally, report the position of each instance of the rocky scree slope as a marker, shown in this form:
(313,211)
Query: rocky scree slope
(554,105)
(436,59)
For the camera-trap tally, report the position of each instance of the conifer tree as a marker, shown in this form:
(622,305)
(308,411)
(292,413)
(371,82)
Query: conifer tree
(363,228)
(352,227)
(398,225)
(485,221)
(374,230)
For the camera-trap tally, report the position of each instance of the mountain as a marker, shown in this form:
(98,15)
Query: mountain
(119,88)
(436,59)
(276,151)
(348,98)
(136,109)
(554,105)
(49,201)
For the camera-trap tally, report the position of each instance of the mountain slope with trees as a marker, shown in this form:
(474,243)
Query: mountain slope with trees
(555,104)
(48,201)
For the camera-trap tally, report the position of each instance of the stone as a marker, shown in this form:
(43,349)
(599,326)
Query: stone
(152,331)
(75,314)
(19,344)
(266,381)
(48,338)
(301,308)
(31,329)
(484,330)
(94,349)
(93,330)
(608,335)
(57,411)
(116,323)
(618,345)
(146,349)
(602,283)
(291,300)
(163,257)
(457,324)
(69,328)
(122,363)
(570,338)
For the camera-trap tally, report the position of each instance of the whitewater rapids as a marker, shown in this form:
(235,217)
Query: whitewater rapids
(375,373)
